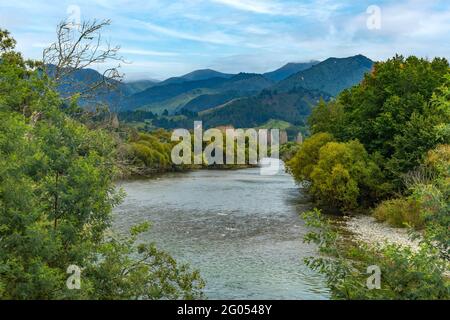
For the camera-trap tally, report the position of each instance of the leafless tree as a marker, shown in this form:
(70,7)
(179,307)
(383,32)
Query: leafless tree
(78,47)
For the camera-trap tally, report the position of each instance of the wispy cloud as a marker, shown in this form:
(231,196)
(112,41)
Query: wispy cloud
(257,6)
(216,37)
(140,52)
(319,8)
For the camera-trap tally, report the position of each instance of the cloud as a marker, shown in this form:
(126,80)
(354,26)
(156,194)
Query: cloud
(265,7)
(140,52)
(215,37)
(318,9)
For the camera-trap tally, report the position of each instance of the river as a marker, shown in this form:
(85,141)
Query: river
(240,229)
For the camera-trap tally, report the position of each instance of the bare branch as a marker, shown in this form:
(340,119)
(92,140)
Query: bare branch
(78,48)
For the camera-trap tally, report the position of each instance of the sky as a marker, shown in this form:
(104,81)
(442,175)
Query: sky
(165,38)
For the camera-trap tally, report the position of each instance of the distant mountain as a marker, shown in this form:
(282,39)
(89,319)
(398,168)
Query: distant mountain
(155,96)
(160,92)
(293,107)
(245,82)
(205,74)
(177,103)
(81,81)
(208,101)
(139,85)
(244,99)
(197,75)
(288,70)
(331,76)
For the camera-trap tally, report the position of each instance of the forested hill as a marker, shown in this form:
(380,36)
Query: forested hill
(332,75)
(288,70)
(292,107)
(160,94)
(292,99)
(197,75)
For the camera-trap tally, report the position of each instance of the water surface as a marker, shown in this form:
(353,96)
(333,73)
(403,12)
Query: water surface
(240,229)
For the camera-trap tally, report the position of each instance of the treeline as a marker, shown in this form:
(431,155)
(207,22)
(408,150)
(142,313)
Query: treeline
(57,173)
(384,146)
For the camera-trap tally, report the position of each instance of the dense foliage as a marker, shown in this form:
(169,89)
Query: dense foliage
(406,274)
(400,111)
(56,197)
(383,143)
(145,154)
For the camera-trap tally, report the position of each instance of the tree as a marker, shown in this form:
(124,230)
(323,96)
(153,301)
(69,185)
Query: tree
(399,111)
(327,117)
(56,196)
(338,175)
(304,161)
(78,48)
(344,175)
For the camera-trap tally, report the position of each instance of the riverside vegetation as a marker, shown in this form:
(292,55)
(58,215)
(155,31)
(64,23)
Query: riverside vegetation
(56,195)
(383,146)
(59,164)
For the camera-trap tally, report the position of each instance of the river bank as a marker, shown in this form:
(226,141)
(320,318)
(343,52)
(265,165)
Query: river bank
(368,230)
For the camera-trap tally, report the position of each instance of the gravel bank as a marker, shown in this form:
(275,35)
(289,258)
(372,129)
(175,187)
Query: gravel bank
(367,229)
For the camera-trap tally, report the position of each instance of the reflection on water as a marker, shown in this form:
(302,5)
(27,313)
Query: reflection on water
(240,229)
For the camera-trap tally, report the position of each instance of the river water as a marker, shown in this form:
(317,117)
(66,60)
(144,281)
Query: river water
(240,229)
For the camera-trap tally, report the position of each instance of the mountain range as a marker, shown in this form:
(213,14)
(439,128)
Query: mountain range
(241,100)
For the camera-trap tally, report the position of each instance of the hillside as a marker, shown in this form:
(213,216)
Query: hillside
(203,74)
(288,70)
(139,85)
(292,107)
(331,76)
(208,101)
(81,81)
(158,95)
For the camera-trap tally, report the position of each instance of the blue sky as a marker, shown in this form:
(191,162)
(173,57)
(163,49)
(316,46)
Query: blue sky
(162,38)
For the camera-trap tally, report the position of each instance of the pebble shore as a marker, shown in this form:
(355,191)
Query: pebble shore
(369,230)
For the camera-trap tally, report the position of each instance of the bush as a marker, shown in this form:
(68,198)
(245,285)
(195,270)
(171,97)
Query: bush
(343,174)
(400,213)
(302,164)
(405,274)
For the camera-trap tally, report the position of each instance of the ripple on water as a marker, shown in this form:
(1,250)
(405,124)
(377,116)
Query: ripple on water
(240,229)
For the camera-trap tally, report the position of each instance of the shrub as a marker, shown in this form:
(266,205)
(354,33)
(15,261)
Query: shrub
(405,274)
(302,164)
(400,213)
(344,172)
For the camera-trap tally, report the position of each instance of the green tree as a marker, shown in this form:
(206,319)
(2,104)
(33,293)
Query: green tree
(344,175)
(302,164)
(338,175)
(56,196)
(400,111)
